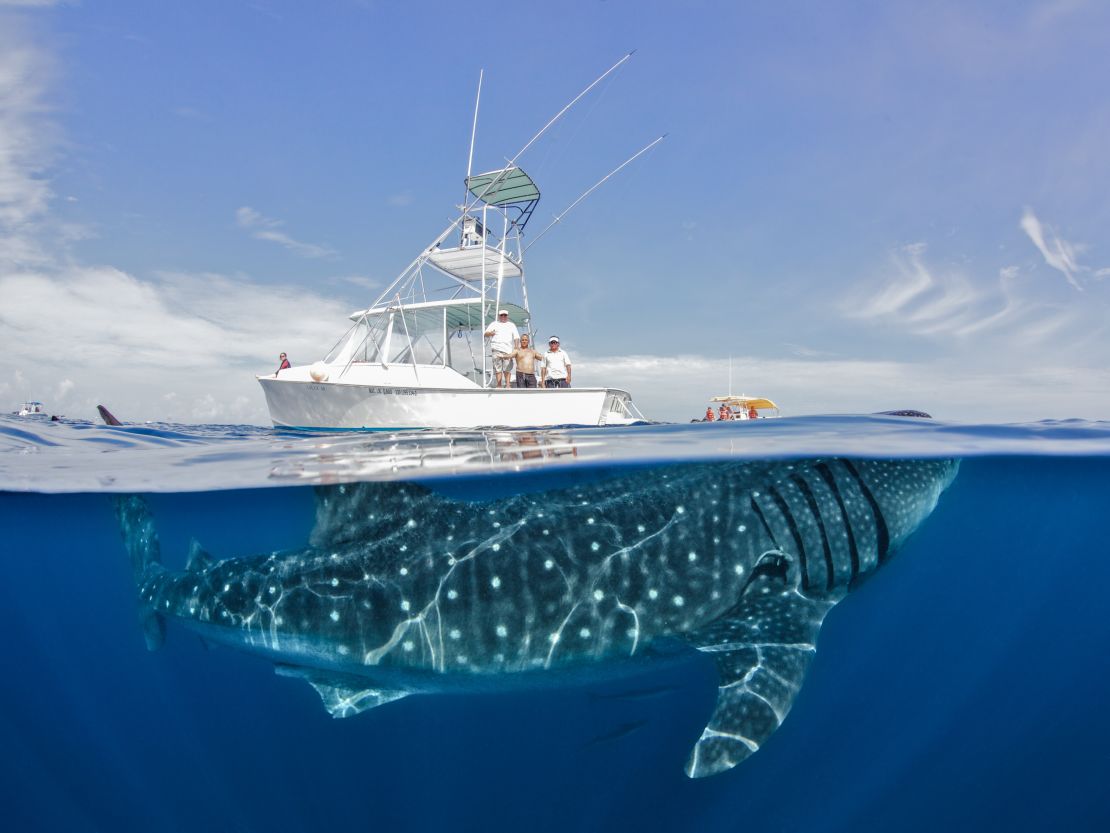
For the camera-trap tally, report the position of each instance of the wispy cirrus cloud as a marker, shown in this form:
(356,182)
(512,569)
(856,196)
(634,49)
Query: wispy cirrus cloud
(919,298)
(1057,252)
(947,304)
(262,227)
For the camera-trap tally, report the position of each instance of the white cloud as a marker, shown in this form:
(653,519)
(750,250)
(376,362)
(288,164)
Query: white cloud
(26,144)
(920,300)
(266,228)
(1047,13)
(1057,252)
(362,282)
(951,308)
(912,280)
(677,388)
(180,348)
(190,113)
(30,4)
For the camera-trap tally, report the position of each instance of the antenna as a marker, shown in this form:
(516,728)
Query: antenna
(593,188)
(730,374)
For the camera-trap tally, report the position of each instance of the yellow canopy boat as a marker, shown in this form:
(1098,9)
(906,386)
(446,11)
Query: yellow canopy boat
(741,406)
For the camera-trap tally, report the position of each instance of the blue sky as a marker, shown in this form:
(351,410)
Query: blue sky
(866,205)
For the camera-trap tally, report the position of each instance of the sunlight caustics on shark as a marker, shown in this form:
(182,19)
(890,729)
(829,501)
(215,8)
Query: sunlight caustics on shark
(403,589)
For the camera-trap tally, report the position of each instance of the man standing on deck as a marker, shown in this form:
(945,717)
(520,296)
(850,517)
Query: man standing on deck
(556,365)
(525,358)
(504,338)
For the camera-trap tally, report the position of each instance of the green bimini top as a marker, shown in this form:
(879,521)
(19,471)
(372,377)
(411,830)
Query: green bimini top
(504,186)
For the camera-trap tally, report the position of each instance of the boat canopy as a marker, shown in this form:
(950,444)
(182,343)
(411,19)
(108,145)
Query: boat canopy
(757,402)
(503,186)
(459,314)
(475,263)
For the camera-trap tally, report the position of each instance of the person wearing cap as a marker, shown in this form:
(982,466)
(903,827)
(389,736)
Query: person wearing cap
(556,366)
(525,357)
(504,338)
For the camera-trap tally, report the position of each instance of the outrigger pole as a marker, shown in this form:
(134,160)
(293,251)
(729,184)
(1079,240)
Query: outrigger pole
(473,132)
(593,188)
(512,162)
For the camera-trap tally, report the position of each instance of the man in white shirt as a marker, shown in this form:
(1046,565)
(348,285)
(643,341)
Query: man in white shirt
(556,366)
(504,338)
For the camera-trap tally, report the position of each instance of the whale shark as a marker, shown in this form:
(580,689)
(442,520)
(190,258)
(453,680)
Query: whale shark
(412,588)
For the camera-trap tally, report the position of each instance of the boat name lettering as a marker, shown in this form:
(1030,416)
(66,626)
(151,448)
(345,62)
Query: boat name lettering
(393,391)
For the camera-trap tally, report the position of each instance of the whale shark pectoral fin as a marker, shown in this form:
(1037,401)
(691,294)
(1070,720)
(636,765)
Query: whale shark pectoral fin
(342,701)
(762,648)
(343,695)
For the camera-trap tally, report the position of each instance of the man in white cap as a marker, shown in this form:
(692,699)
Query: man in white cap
(556,366)
(504,338)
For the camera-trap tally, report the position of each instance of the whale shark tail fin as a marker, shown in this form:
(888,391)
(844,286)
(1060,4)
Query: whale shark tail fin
(136,523)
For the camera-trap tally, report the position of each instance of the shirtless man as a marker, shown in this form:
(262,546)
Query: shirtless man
(525,358)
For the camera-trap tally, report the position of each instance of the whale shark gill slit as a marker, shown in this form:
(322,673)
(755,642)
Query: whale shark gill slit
(792,524)
(811,502)
(853,551)
(763,520)
(882,532)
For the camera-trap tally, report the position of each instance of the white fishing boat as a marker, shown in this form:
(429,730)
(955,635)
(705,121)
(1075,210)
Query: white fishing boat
(31,409)
(417,357)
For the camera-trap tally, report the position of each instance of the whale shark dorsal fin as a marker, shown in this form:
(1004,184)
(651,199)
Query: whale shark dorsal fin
(354,512)
(199,558)
(343,695)
(762,648)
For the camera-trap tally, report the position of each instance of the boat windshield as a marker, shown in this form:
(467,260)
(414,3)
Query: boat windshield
(449,334)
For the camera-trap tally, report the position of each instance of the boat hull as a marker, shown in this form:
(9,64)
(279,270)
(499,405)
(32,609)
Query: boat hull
(353,407)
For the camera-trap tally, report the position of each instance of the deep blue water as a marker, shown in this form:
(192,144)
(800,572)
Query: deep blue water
(963,687)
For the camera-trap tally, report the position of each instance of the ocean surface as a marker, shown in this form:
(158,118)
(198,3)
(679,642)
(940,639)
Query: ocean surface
(964,686)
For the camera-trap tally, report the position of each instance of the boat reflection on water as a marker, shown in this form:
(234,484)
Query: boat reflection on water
(413,453)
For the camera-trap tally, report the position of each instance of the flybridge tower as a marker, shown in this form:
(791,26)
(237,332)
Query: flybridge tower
(436,310)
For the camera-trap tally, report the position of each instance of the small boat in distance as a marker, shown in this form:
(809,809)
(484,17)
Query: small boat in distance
(742,408)
(31,409)
(418,358)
